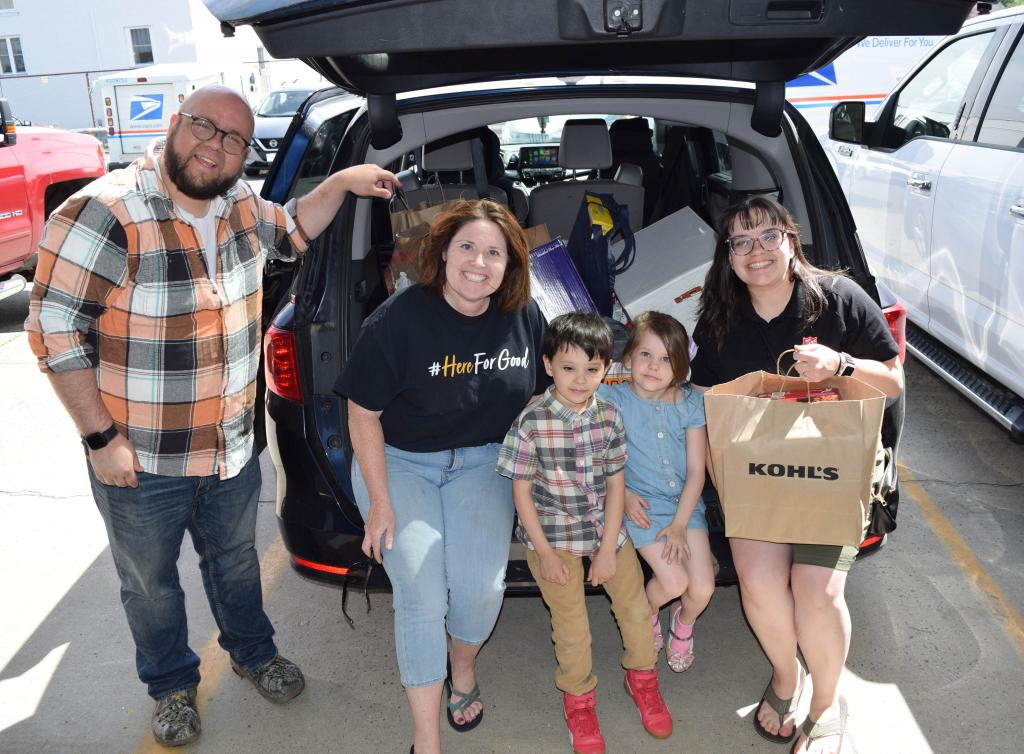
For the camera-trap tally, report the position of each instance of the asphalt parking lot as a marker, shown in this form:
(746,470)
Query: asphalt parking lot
(936,664)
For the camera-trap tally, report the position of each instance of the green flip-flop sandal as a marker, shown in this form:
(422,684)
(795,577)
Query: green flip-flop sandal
(782,707)
(461,706)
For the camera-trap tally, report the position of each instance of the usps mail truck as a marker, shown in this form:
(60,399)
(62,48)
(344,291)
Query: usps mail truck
(138,104)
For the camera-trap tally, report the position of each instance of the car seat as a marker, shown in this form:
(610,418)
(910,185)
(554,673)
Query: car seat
(632,142)
(585,145)
(447,167)
(495,168)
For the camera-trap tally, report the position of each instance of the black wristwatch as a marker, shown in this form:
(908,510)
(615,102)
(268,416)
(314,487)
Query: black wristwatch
(846,366)
(99,440)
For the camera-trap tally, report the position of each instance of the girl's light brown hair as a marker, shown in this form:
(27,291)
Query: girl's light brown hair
(671,333)
(514,291)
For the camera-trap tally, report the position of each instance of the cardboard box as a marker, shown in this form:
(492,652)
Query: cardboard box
(672,259)
(536,235)
(555,283)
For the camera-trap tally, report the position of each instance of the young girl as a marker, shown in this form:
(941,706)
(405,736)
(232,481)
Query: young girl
(664,421)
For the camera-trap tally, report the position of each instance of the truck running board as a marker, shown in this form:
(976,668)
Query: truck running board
(995,400)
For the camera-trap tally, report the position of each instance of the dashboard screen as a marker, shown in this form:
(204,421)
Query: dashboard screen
(538,157)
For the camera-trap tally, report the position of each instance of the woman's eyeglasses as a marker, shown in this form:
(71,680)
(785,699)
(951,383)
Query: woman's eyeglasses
(770,240)
(204,130)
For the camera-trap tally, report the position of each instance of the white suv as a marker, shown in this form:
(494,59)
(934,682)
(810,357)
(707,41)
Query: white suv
(936,185)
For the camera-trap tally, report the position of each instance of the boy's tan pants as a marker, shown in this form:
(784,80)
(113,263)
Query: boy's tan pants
(570,628)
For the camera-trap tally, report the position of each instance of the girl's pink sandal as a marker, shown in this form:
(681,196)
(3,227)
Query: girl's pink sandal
(680,646)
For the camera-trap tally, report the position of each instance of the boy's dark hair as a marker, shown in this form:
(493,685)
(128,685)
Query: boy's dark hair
(585,330)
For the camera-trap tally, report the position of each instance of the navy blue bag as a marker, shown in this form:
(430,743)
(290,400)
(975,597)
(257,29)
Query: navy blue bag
(600,221)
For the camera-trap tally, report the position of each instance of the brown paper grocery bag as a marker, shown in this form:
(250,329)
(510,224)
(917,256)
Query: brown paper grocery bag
(794,472)
(410,227)
(404,218)
(406,255)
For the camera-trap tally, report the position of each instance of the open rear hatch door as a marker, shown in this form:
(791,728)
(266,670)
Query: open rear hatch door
(377,48)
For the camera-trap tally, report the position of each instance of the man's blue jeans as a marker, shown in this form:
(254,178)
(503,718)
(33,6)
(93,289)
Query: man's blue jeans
(145,527)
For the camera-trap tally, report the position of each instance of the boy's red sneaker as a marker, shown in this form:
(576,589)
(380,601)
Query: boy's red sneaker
(642,685)
(581,718)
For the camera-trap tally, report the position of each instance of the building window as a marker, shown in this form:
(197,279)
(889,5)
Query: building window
(11,58)
(142,47)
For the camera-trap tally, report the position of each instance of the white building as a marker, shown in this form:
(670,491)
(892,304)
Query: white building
(51,51)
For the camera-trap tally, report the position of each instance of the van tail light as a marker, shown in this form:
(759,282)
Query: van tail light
(282,364)
(873,539)
(896,318)
(322,567)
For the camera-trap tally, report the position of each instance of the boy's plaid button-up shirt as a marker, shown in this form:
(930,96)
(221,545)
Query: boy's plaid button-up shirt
(122,287)
(568,457)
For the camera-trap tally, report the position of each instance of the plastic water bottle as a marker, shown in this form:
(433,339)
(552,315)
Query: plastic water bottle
(403,282)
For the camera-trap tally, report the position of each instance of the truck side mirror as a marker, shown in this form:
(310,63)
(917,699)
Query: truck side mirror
(8,133)
(846,122)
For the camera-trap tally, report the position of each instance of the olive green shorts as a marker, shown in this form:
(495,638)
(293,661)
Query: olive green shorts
(836,557)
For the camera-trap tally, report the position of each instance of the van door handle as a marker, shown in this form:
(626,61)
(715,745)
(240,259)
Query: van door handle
(845,151)
(1017,210)
(918,181)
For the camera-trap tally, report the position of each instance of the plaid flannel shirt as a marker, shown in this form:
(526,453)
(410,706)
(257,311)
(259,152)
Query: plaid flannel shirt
(568,457)
(122,287)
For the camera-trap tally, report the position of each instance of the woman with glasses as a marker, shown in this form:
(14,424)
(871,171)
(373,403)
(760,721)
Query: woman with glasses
(761,298)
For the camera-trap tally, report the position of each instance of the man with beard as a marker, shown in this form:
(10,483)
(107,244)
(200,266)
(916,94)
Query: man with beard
(145,316)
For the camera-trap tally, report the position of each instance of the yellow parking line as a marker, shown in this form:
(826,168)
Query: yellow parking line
(214,660)
(964,557)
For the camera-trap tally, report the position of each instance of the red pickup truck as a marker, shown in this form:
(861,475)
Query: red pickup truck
(39,169)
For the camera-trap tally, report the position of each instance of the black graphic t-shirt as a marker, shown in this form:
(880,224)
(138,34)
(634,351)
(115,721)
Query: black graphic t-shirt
(441,379)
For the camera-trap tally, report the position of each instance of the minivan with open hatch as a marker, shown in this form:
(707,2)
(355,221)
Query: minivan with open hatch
(689,95)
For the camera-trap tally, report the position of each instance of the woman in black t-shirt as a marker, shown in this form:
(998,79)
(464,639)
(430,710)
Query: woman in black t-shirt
(435,379)
(761,298)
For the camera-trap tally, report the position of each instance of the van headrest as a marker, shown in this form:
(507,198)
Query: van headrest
(585,144)
(630,174)
(749,172)
(448,155)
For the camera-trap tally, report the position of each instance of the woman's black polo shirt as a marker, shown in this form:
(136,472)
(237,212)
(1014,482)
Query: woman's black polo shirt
(850,322)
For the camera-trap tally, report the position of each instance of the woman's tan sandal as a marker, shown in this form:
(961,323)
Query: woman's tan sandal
(782,707)
(835,727)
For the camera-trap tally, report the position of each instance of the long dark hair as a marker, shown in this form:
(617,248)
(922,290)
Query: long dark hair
(514,292)
(723,292)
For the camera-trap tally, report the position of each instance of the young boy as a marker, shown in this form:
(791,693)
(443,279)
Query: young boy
(565,455)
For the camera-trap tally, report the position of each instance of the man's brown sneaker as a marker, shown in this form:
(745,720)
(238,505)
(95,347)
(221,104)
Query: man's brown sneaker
(278,680)
(176,719)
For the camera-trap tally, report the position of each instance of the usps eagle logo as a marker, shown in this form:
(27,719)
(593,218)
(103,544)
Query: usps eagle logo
(146,107)
(825,76)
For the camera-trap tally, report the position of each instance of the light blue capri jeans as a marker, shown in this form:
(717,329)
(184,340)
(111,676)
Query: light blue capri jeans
(453,527)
